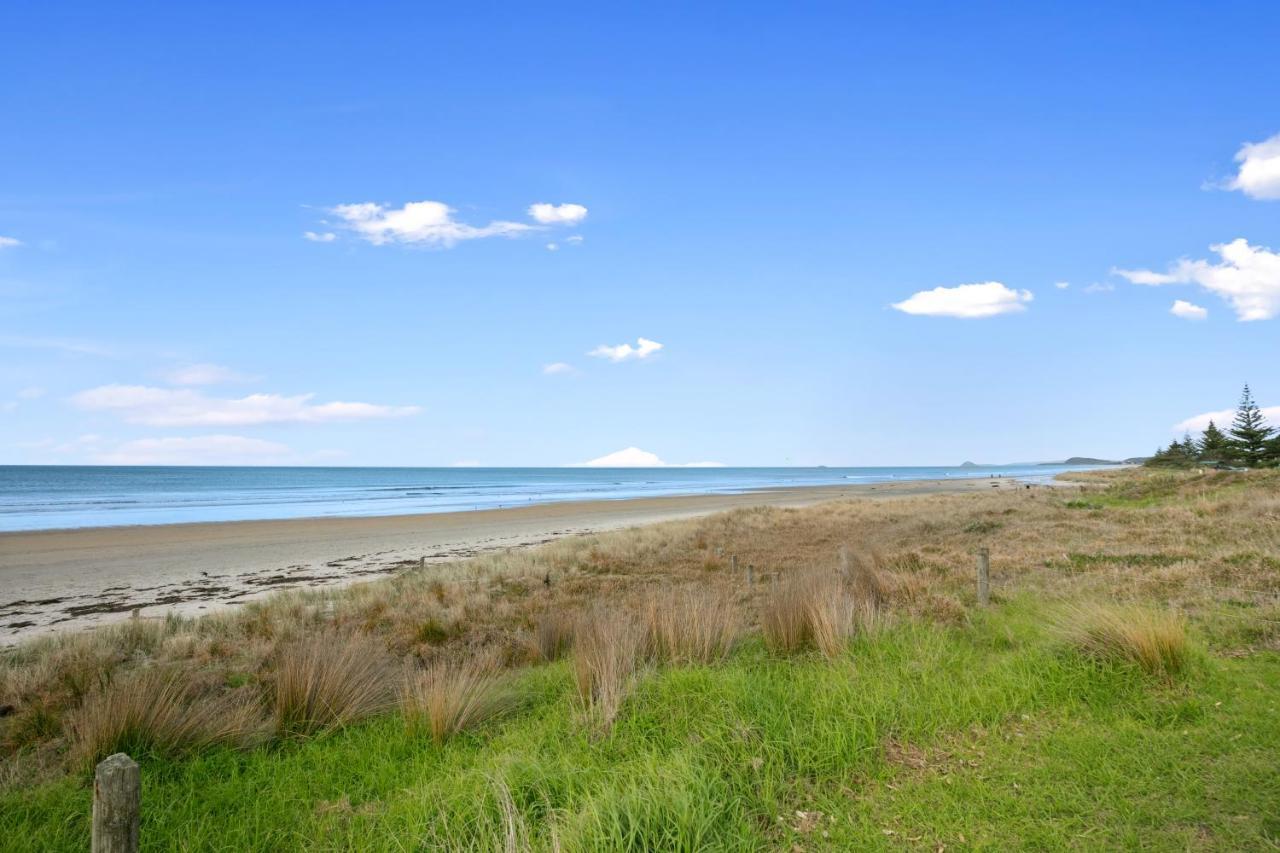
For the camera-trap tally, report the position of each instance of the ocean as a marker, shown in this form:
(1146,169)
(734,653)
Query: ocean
(34,497)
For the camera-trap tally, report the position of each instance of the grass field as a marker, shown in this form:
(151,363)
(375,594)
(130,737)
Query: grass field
(1122,690)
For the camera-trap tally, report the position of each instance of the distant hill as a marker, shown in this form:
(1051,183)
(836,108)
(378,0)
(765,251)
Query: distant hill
(1088,460)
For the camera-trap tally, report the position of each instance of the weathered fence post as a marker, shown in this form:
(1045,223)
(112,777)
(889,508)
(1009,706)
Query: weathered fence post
(984,576)
(422,562)
(733,563)
(117,801)
(751,574)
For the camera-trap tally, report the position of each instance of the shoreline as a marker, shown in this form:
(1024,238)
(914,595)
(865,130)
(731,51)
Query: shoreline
(75,578)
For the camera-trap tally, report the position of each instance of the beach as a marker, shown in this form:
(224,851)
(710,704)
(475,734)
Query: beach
(58,580)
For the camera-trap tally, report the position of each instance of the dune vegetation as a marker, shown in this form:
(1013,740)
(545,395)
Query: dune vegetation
(817,678)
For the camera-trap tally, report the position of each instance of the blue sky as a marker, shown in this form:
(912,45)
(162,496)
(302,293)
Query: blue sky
(754,187)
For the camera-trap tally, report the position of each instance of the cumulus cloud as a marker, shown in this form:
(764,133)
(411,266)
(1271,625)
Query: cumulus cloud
(9,242)
(319,236)
(425,223)
(552,247)
(634,457)
(1247,277)
(558,367)
(625,352)
(1259,173)
(1197,423)
(1062,285)
(204,374)
(557,214)
(967,301)
(195,450)
(1187,310)
(180,407)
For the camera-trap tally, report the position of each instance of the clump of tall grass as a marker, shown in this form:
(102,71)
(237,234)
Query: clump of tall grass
(606,655)
(552,636)
(331,680)
(451,696)
(691,625)
(1154,640)
(157,711)
(814,610)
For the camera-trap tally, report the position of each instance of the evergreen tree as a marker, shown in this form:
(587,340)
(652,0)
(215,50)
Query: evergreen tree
(1249,431)
(1214,445)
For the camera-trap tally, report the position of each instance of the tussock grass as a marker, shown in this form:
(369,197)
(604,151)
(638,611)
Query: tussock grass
(608,643)
(1154,640)
(552,636)
(329,681)
(452,696)
(814,610)
(693,625)
(158,712)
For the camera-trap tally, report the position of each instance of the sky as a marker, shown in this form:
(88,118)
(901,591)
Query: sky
(747,233)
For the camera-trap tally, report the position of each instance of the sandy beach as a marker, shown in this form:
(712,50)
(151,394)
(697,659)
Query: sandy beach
(68,579)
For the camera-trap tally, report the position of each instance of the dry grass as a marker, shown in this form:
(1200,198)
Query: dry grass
(160,712)
(452,696)
(814,610)
(606,654)
(552,636)
(692,625)
(329,681)
(1155,640)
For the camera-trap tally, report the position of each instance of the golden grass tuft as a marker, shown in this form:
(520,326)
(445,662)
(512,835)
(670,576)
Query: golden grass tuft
(606,654)
(813,610)
(552,636)
(331,680)
(696,625)
(160,712)
(449,697)
(1154,640)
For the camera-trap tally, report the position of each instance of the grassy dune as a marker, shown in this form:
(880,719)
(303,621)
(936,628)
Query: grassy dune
(1123,690)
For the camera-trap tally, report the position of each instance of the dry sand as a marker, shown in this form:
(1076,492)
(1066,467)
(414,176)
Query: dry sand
(53,580)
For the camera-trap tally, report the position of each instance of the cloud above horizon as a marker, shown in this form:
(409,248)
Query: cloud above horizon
(966,301)
(1187,310)
(1259,173)
(9,242)
(195,450)
(1247,278)
(319,237)
(181,407)
(425,223)
(557,214)
(558,368)
(1197,423)
(626,352)
(634,457)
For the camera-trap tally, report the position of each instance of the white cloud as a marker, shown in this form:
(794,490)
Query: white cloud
(558,367)
(30,393)
(1188,311)
(319,237)
(557,214)
(196,450)
(623,352)
(1259,174)
(1247,277)
(1223,418)
(183,407)
(966,301)
(1100,287)
(203,374)
(1062,285)
(574,239)
(9,242)
(428,223)
(634,457)
(552,247)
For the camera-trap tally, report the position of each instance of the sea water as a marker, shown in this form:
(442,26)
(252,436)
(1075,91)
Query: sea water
(35,497)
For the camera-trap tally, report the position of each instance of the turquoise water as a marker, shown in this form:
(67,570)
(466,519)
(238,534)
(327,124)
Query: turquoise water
(51,497)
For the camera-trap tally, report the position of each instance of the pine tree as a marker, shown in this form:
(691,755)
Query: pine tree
(1214,446)
(1249,431)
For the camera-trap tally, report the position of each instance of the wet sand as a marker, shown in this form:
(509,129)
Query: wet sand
(53,580)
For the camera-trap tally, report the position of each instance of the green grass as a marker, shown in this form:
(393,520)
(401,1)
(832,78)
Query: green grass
(984,736)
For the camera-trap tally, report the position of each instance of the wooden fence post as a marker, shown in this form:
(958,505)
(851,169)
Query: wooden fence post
(984,576)
(733,564)
(751,574)
(117,801)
